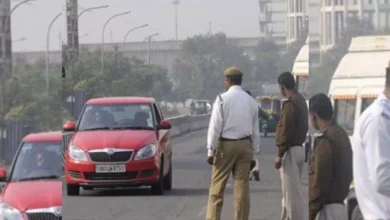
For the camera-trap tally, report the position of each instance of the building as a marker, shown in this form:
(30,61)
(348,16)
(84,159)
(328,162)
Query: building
(296,20)
(272,20)
(334,15)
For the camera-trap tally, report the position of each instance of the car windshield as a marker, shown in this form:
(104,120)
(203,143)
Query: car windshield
(266,104)
(117,116)
(345,114)
(38,160)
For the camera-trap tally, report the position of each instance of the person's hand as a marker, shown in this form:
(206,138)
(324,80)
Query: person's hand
(253,164)
(278,162)
(210,160)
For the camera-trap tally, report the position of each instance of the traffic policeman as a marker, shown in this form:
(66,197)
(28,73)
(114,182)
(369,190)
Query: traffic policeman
(330,172)
(290,135)
(371,157)
(233,139)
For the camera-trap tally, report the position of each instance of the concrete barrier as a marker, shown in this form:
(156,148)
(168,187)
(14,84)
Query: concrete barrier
(186,124)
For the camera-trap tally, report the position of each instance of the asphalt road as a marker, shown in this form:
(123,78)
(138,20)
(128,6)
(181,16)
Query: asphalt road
(188,199)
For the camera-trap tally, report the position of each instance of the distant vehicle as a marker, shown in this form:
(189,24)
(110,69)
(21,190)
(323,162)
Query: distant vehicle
(202,107)
(32,189)
(272,106)
(119,142)
(356,83)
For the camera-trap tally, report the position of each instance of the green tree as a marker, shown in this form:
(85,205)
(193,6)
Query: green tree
(203,58)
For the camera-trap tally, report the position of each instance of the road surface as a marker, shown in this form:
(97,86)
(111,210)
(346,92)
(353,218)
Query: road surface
(188,199)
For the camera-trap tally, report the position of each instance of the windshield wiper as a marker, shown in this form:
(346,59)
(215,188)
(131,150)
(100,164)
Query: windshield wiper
(40,178)
(132,128)
(98,128)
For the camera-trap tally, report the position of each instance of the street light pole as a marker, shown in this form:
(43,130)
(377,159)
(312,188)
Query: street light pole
(133,29)
(3,72)
(104,28)
(47,52)
(176,5)
(149,38)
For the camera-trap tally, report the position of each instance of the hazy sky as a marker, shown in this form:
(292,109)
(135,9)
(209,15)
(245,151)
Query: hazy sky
(237,18)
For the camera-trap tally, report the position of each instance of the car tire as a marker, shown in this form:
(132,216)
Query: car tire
(72,190)
(168,178)
(158,188)
(356,214)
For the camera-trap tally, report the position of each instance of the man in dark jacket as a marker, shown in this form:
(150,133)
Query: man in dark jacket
(330,172)
(290,135)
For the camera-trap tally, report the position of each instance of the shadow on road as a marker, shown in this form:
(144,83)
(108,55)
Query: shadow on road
(176,192)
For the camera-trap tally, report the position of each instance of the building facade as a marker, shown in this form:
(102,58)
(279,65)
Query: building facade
(334,15)
(272,20)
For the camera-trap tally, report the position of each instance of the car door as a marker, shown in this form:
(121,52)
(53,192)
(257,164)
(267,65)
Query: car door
(164,140)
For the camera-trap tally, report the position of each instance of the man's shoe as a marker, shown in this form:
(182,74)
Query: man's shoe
(256,175)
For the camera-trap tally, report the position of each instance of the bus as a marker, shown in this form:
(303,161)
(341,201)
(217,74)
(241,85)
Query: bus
(356,83)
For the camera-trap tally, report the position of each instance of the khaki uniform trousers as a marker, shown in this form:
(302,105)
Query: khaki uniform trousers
(231,157)
(290,173)
(333,212)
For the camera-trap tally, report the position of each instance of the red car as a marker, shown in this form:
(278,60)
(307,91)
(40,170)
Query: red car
(33,188)
(119,142)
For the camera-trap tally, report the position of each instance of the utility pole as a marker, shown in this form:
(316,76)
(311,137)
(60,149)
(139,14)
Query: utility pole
(5,64)
(176,5)
(72,47)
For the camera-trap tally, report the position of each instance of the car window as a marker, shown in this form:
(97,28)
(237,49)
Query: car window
(113,116)
(158,114)
(38,159)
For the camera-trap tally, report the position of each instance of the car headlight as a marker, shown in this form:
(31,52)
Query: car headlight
(146,152)
(76,153)
(8,212)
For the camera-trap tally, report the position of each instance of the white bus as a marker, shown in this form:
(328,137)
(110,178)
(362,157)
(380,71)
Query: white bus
(356,83)
(301,69)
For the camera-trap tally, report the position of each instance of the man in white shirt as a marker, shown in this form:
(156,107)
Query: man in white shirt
(233,139)
(371,158)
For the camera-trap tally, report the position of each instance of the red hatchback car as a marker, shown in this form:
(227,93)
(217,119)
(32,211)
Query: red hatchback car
(119,142)
(33,188)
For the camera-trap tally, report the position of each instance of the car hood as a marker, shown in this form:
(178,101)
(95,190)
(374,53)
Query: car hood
(128,139)
(33,194)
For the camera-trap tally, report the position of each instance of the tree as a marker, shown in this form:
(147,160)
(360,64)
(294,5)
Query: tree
(266,61)
(203,58)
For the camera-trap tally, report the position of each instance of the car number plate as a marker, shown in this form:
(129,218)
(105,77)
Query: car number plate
(117,168)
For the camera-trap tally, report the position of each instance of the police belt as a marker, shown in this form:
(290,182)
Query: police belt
(222,139)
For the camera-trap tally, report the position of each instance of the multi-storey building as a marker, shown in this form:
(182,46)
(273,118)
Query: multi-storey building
(296,20)
(272,20)
(334,15)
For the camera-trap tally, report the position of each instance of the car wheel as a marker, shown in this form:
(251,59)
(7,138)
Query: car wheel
(72,190)
(356,214)
(168,178)
(158,188)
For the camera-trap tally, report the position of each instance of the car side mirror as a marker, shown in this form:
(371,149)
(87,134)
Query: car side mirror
(3,174)
(69,126)
(164,125)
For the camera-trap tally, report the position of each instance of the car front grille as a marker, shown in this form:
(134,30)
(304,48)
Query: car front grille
(43,216)
(122,156)
(110,176)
